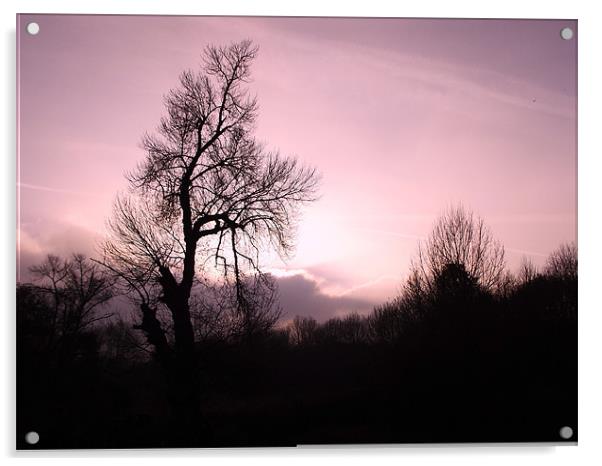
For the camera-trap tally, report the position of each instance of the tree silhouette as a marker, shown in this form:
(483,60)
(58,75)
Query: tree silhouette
(386,321)
(302,330)
(454,284)
(215,309)
(527,271)
(562,263)
(461,239)
(206,195)
(74,291)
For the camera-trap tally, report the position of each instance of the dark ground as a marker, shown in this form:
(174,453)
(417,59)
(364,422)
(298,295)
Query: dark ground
(489,372)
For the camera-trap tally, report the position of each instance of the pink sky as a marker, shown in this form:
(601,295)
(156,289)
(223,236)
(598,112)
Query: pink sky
(402,117)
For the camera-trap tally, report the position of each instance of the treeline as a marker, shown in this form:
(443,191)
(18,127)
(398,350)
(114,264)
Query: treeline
(466,352)
(65,310)
(549,295)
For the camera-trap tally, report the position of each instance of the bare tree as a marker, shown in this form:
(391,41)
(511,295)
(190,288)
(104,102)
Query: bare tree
(461,239)
(120,346)
(302,330)
(256,306)
(75,291)
(134,278)
(206,197)
(215,308)
(389,321)
(562,263)
(527,271)
(351,329)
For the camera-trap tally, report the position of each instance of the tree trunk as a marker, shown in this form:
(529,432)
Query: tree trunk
(185,382)
(155,334)
(183,373)
(183,331)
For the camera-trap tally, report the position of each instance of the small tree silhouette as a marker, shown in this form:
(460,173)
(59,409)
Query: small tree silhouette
(527,271)
(302,330)
(562,263)
(73,293)
(459,240)
(454,284)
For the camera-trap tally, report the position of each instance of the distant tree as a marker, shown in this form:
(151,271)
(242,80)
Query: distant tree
(561,273)
(35,321)
(302,330)
(215,309)
(76,288)
(549,296)
(527,271)
(206,193)
(68,296)
(120,345)
(562,263)
(386,322)
(352,329)
(459,240)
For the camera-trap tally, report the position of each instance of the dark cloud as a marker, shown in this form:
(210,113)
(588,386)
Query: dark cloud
(300,295)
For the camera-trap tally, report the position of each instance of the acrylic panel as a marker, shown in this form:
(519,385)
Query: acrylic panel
(279,231)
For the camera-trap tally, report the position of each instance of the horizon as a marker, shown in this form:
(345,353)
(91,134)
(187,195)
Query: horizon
(403,118)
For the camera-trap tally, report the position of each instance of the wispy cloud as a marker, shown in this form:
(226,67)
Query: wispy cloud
(36,187)
(370,283)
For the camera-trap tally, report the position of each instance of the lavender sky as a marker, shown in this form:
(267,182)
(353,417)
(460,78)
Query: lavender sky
(402,117)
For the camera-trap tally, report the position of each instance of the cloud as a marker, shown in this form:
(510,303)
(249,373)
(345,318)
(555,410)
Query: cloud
(300,294)
(61,239)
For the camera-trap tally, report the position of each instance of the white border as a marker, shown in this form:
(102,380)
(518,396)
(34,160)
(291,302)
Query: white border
(589,450)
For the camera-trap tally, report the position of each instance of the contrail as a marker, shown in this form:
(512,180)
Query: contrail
(370,283)
(52,190)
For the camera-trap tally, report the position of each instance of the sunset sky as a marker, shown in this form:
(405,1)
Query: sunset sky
(403,118)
